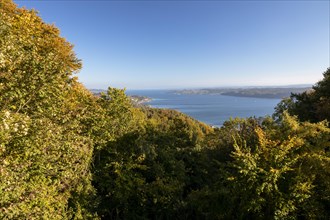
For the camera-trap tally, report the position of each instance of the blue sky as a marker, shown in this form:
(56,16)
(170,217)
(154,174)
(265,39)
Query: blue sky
(186,44)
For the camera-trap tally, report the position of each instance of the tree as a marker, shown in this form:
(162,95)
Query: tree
(36,64)
(283,175)
(45,148)
(312,105)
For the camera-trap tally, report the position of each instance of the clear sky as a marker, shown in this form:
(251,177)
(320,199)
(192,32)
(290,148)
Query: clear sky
(185,44)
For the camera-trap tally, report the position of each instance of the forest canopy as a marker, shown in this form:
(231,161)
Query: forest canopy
(67,154)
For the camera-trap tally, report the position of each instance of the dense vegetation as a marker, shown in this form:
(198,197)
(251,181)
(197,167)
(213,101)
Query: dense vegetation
(67,154)
(312,105)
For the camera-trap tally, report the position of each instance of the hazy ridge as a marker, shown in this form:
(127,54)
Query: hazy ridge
(256,92)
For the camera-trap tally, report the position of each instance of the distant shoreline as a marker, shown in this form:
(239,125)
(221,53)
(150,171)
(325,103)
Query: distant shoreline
(269,93)
(247,92)
(139,100)
(136,99)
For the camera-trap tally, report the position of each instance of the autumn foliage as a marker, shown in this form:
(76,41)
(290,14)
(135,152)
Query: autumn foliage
(67,154)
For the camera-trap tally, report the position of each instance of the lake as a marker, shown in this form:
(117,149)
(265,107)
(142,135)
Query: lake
(211,109)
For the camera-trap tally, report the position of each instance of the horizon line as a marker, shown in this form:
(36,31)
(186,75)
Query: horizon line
(209,87)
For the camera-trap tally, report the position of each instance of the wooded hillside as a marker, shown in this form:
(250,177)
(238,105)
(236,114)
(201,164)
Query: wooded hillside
(67,154)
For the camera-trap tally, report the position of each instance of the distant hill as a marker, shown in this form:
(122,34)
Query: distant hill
(96,91)
(256,92)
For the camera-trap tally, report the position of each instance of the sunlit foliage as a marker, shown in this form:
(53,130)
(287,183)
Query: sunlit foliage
(67,154)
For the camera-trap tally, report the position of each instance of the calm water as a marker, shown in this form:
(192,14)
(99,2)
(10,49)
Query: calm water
(211,109)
